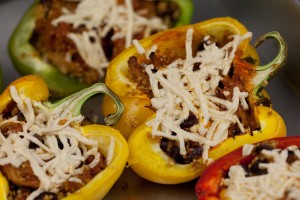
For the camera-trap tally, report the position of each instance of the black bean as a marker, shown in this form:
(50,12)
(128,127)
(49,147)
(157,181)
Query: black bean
(32,145)
(190,121)
(171,148)
(196,66)
(261,147)
(254,168)
(291,157)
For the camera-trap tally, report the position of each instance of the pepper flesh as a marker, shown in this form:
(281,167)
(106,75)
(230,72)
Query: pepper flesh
(36,89)
(208,186)
(119,80)
(146,158)
(27,60)
(150,162)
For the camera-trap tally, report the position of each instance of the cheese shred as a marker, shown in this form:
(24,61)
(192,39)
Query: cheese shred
(179,89)
(59,155)
(282,180)
(99,17)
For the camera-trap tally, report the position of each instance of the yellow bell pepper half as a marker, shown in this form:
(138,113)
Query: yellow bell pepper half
(119,80)
(148,160)
(36,89)
(146,157)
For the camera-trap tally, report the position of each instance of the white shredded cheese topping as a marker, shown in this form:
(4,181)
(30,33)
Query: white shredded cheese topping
(140,49)
(247,149)
(52,163)
(281,182)
(100,17)
(179,90)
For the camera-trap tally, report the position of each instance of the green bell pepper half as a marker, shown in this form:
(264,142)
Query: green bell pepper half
(27,60)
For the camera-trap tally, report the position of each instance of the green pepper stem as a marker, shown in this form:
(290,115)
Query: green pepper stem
(75,101)
(186,12)
(266,72)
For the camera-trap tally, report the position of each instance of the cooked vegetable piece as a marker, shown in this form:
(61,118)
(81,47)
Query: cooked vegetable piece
(203,79)
(266,170)
(46,150)
(69,43)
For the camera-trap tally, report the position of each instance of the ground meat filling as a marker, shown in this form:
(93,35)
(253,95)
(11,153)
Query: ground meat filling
(171,148)
(22,181)
(253,168)
(234,79)
(56,48)
(257,168)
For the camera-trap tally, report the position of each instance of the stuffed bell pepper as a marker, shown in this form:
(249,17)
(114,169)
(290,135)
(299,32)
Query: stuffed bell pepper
(70,43)
(266,170)
(51,151)
(191,95)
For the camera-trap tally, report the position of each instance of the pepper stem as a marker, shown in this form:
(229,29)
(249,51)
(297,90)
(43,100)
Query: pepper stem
(266,72)
(75,101)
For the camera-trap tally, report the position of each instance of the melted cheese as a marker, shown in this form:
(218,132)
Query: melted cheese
(179,90)
(99,17)
(51,162)
(281,182)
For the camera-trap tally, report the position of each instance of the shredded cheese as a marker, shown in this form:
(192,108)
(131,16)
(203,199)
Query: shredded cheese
(92,52)
(282,180)
(99,17)
(140,49)
(63,148)
(178,89)
(247,149)
(152,49)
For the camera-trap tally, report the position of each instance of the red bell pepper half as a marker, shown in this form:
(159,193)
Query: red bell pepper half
(208,186)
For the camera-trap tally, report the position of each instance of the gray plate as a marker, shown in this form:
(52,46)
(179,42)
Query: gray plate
(259,16)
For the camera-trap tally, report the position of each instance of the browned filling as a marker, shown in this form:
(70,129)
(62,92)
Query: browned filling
(22,181)
(253,169)
(241,70)
(54,46)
